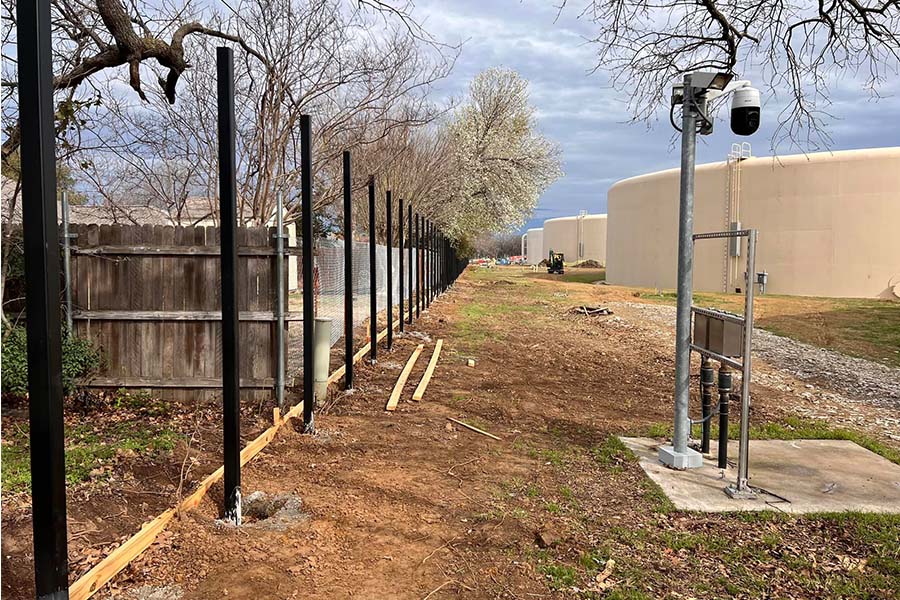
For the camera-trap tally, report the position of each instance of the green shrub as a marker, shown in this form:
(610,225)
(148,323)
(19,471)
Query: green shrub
(80,358)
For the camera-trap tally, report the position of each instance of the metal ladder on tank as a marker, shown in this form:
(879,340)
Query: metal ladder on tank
(739,152)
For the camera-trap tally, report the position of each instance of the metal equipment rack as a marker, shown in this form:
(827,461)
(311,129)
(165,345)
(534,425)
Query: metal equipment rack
(719,330)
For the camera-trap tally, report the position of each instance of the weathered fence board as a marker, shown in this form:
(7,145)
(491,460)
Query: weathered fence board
(149,297)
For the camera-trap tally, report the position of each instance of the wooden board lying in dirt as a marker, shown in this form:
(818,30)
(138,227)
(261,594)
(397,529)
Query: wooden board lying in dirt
(404,375)
(423,385)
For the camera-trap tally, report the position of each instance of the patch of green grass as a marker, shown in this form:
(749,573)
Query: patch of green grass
(879,532)
(566,492)
(557,458)
(658,430)
(593,560)
(656,497)
(571,275)
(559,575)
(552,507)
(627,595)
(613,452)
(16,468)
(86,450)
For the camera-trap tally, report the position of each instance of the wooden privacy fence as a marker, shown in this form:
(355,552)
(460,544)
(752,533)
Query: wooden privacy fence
(150,297)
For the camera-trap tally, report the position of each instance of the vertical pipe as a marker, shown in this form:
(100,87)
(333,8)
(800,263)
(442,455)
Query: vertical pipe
(390,270)
(685,271)
(231,393)
(279,303)
(67,265)
(309,318)
(744,443)
(426,283)
(409,226)
(400,271)
(724,395)
(373,279)
(348,274)
(707,381)
(44,335)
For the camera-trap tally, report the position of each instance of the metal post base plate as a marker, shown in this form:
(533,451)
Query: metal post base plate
(740,493)
(689,459)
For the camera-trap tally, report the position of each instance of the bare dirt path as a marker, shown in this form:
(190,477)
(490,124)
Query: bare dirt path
(405,505)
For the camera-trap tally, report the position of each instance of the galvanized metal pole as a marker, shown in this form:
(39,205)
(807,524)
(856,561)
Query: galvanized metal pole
(67,268)
(409,226)
(348,274)
(231,392)
(401,272)
(679,455)
(279,303)
(373,278)
(44,345)
(390,272)
(309,317)
(744,443)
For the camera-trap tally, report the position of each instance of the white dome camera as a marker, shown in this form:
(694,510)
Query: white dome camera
(745,107)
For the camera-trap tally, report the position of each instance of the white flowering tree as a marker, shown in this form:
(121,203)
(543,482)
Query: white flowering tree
(500,163)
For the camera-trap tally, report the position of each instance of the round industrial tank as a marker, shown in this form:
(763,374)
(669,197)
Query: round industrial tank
(828,224)
(534,246)
(579,238)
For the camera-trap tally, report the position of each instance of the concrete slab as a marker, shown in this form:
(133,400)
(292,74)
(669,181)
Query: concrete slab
(794,476)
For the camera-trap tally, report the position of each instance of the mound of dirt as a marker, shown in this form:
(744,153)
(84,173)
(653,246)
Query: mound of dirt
(588,264)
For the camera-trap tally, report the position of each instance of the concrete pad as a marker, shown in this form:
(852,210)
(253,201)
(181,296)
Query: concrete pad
(794,476)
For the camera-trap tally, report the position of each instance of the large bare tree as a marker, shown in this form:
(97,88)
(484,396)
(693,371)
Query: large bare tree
(799,50)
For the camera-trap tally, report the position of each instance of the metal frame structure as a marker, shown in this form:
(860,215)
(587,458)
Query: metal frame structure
(741,487)
(390,270)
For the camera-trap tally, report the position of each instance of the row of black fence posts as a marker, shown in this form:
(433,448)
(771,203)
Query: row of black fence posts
(42,280)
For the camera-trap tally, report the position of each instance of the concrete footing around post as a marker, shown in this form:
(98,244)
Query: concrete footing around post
(689,459)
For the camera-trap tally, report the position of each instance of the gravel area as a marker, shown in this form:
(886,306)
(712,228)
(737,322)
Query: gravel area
(829,385)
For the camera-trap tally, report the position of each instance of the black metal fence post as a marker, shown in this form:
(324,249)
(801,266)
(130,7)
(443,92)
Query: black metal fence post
(426,234)
(373,279)
(231,376)
(309,317)
(418,264)
(43,326)
(412,284)
(400,270)
(348,274)
(390,271)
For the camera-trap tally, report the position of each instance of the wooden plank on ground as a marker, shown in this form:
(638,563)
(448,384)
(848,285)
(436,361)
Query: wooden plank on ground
(404,375)
(423,385)
(475,429)
(119,558)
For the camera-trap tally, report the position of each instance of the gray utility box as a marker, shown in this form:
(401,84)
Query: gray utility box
(722,333)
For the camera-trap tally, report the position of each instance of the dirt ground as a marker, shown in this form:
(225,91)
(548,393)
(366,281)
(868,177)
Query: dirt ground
(409,505)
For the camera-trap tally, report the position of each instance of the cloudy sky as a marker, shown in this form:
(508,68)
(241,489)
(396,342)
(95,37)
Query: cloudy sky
(588,119)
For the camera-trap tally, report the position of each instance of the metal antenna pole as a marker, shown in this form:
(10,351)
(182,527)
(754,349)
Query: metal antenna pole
(231,383)
(279,303)
(678,455)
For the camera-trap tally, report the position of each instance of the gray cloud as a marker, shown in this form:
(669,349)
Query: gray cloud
(590,120)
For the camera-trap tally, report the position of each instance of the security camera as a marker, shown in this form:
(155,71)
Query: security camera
(745,110)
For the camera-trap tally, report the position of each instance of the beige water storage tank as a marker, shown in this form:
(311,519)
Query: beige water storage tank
(533,248)
(582,237)
(829,224)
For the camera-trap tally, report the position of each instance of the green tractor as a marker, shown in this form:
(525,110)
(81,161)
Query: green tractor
(555,263)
